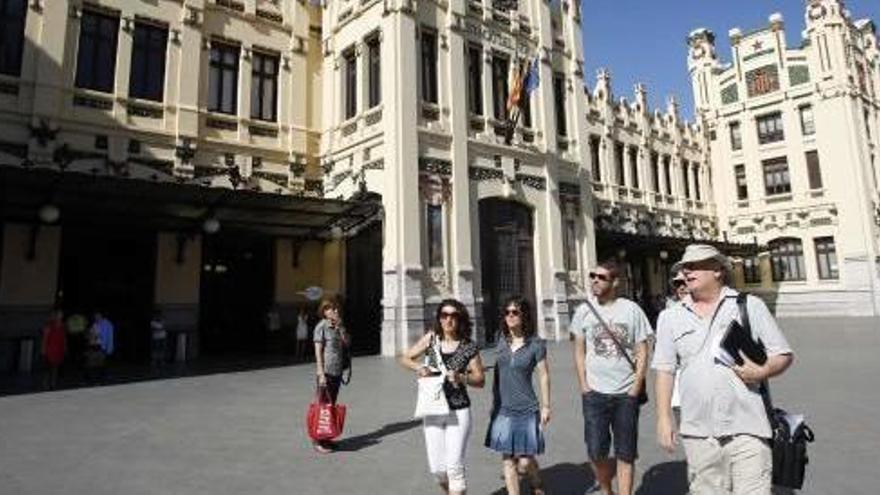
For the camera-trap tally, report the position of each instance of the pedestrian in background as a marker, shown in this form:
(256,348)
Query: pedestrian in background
(54,347)
(330,339)
(158,339)
(446,437)
(518,417)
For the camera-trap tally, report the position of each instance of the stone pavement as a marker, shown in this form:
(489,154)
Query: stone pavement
(242,432)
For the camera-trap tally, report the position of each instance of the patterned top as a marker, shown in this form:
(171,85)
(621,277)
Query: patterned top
(457,360)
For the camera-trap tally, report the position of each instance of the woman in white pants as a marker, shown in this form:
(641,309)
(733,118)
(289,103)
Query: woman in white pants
(446,437)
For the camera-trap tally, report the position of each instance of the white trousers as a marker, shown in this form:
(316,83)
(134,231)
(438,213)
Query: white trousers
(446,439)
(742,465)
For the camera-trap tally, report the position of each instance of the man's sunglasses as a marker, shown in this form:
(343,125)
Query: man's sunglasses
(599,276)
(677,282)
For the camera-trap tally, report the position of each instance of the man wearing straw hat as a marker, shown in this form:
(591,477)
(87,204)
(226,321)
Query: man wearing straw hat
(724,426)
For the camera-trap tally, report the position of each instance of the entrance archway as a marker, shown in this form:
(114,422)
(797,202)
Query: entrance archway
(507,257)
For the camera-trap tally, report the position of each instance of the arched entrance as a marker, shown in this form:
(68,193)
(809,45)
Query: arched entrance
(507,257)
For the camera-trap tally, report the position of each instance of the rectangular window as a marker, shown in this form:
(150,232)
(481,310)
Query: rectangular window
(475,79)
(12,19)
(814,171)
(736,140)
(634,166)
(787,260)
(742,187)
(826,258)
(526,109)
(776,177)
(434,223)
(429,66)
(618,164)
(264,87)
(685,182)
(752,270)
(500,68)
(223,78)
(374,69)
(698,193)
(667,173)
(559,100)
(655,172)
(350,75)
(595,147)
(770,128)
(96,58)
(147,76)
(808,125)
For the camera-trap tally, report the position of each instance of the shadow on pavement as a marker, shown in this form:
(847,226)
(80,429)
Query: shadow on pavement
(367,440)
(667,478)
(559,479)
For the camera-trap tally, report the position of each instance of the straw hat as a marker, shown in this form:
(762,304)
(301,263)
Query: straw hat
(702,252)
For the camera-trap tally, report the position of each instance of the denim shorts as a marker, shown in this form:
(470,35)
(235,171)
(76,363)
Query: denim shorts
(611,415)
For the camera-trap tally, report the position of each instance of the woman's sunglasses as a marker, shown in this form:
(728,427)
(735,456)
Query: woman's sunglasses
(512,312)
(448,314)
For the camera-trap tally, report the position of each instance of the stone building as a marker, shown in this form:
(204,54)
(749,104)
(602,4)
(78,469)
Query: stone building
(794,135)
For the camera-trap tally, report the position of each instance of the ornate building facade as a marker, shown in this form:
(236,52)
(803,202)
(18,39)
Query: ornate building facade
(794,135)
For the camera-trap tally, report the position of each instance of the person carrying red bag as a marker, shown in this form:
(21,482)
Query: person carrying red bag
(330,340)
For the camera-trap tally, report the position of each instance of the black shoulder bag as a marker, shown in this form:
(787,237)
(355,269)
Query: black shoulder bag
(643,386)
(789,447)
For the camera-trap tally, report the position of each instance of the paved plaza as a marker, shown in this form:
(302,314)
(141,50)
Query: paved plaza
(242,432)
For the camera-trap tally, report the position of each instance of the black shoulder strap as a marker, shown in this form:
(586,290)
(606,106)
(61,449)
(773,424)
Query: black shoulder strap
(742,303)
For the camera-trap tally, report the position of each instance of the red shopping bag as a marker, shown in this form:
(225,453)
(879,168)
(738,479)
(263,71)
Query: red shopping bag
(325,419)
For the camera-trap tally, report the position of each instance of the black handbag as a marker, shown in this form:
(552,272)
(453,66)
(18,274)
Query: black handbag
(790,457)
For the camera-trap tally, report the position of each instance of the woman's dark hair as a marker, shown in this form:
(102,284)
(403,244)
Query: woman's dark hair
(463,329)
(525,309)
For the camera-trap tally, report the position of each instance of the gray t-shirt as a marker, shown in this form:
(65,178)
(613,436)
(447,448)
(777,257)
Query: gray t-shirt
(333,346)
(608,371)
(515,390)
(715,402)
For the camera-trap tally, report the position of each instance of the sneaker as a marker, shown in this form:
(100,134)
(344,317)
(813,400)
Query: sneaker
(322,449)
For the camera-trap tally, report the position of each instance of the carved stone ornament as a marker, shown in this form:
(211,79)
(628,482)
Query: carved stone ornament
(817,11)
(435,189)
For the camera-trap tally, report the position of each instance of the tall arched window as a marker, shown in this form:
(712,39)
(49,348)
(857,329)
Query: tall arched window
(787,259)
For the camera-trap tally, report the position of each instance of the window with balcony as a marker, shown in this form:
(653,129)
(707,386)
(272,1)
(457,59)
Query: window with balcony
(655,172)
(223,78)
(12,19)
(374,72)
(776,177)
(787,260)
(475,79)
(147,76)
(770,128)
(634,166)
(350,85)
(685,182)
(569,237)
(619,165)
(96,57)
(667,173)
(698,193)
(595,153)
(559,104)
(814,171)
(826,258)
(500,69)
(264,86)
(742,187)
(736,142)
(429,66)
(808,124)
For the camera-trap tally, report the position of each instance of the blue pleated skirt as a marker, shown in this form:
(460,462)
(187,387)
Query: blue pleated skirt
(516,435)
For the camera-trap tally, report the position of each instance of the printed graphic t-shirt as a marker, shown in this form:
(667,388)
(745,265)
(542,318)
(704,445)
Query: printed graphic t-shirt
(608,371)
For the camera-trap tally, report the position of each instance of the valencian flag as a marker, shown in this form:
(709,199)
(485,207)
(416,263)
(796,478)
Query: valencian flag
(524,79)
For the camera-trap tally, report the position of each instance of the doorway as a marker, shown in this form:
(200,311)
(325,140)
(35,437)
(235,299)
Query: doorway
(363,289)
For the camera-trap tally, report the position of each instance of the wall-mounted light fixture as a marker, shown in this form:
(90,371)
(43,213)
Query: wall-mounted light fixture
(211,225)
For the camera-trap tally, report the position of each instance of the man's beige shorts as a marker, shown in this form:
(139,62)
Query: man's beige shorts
(739,465)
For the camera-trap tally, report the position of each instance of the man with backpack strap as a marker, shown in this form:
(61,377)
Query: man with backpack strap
(724,426)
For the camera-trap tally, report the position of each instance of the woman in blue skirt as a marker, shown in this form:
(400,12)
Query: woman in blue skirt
(518,418)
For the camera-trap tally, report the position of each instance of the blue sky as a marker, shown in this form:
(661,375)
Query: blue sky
(644,40)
